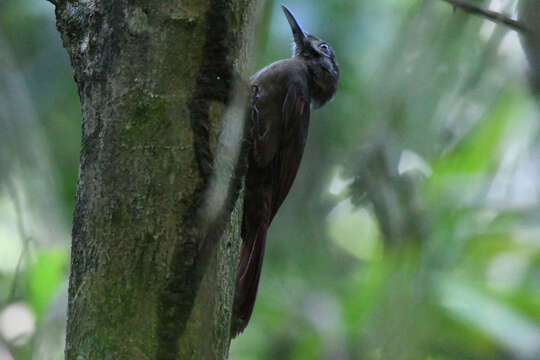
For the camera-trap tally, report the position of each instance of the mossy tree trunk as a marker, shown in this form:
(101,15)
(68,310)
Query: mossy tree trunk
(152,277)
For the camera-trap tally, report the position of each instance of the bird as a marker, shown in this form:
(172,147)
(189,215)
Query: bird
(281,97)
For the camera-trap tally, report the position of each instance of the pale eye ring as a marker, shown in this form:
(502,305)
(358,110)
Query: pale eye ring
(324,47)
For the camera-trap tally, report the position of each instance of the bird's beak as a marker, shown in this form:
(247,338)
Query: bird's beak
(298,33)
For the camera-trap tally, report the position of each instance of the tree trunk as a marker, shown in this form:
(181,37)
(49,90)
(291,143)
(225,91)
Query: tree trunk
(154,253)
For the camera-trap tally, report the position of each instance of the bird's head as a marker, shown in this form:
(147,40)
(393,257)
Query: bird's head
(318,55)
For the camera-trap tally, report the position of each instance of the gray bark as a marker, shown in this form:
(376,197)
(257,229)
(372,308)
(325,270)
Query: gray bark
(152,277)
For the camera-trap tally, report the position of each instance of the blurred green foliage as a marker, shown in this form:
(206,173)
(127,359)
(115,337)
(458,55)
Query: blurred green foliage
(45,273)
(411,231)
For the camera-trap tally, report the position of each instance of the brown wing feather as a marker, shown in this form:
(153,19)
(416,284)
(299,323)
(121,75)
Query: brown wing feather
(295,122)
(267,185)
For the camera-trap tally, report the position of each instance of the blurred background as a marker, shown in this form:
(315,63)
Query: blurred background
(411,232)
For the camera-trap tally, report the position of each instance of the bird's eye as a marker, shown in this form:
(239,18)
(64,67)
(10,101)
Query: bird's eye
(324,47)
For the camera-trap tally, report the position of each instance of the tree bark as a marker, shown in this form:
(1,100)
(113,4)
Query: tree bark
(154,253)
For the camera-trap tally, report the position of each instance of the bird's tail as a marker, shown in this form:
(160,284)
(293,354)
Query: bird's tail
(247,278)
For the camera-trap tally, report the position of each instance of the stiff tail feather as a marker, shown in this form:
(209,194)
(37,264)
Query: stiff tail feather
(247,279)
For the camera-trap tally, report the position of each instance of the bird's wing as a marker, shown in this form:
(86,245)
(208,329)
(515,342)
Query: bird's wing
(295,122)
(264,128)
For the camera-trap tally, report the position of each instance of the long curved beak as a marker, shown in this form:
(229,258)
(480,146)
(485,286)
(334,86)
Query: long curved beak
(298,33)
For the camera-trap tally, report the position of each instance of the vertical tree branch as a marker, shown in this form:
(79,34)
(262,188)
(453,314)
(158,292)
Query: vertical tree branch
(529,14)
